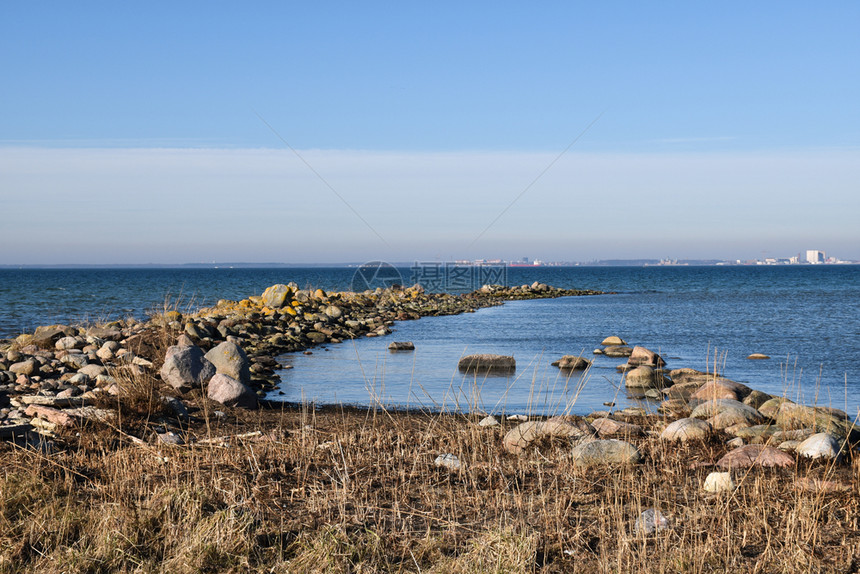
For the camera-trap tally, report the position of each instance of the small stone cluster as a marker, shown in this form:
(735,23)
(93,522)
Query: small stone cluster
(758,429)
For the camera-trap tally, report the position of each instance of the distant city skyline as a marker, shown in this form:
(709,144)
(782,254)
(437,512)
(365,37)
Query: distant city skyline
(172,133)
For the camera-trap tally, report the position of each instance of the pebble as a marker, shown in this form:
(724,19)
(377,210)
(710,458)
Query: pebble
(651,521)
(449,461)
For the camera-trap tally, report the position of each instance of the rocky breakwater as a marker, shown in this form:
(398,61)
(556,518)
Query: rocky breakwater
(59,375)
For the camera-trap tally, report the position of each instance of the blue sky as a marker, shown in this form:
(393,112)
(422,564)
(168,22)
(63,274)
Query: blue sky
(129,133)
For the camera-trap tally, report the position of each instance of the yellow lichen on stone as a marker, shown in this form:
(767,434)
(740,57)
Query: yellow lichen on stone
(173,316)
(290,311)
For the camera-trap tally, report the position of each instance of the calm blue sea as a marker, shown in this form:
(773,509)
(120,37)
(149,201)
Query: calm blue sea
(807,318)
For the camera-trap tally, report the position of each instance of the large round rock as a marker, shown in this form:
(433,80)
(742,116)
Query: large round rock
(821,445)
(186,368)
(687,429)
(605,452)
(229,359)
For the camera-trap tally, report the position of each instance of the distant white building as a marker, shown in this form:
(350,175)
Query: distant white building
(815,256)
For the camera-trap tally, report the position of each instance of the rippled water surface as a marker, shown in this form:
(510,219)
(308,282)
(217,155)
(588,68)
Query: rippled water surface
(806,317)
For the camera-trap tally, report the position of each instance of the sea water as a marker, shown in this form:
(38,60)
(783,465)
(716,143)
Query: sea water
(806,318)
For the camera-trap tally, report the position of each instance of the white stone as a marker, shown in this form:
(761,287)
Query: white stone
(449,461)
(719,482)
(489,421)
(820,445)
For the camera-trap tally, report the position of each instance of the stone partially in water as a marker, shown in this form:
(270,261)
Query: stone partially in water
(645,377)
(401,346)
(643,356)
(487,362)
(571,362)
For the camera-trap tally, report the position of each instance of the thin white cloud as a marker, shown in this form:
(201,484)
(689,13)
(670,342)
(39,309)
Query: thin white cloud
(176,205)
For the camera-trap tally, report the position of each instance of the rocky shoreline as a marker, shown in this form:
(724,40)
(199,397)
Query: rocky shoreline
(61,375)
(74,368)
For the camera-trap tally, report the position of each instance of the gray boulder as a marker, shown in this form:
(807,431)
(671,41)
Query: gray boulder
(231,392)
(229,359)
(605,451)
(186,368)
(276,296)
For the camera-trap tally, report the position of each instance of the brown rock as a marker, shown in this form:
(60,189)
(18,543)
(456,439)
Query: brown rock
(572,362)
(487,362)
(643,356)
(756,455)
(49,414)
(721,389)
(607,428)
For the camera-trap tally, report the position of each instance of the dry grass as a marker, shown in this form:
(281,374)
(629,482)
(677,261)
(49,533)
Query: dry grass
(342,490)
